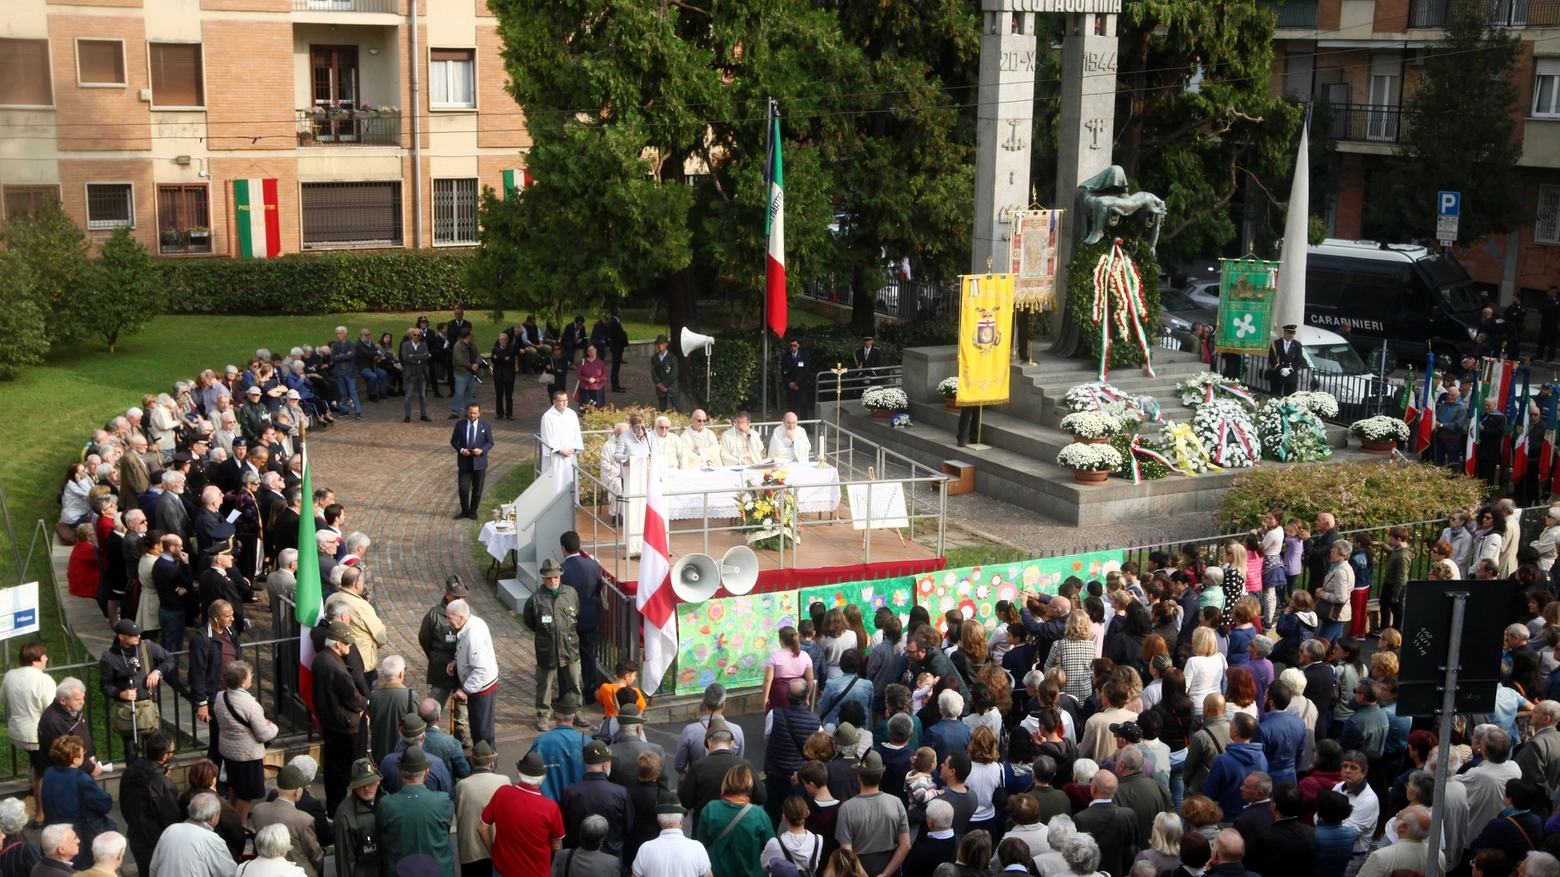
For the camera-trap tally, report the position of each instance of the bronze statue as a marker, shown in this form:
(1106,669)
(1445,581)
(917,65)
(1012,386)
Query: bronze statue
(1103,202)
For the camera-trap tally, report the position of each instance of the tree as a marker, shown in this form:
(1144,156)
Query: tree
(1458,134)
(20,317)
(53,250)
(123,290)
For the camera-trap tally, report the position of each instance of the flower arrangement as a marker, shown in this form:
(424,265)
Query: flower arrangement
(1380,428)
(1323,405)
(1091,424)
(885,399)
(948,388)
(1291,432)
(1224,427)
(1098,396)
(1203,386)
(900,421)
(1089,458)
(1182,444)
(769,512)
(1150,457)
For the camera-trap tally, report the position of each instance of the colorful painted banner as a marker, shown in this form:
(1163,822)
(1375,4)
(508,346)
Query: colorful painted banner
(1032,257)
(985,338)
(897,594)
(729,640)
(975,591)
(1246,291)
(259,224)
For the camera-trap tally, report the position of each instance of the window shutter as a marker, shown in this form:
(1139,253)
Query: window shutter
(1546,66)
(101,61)
(24,73)
(176,79)
(451,54)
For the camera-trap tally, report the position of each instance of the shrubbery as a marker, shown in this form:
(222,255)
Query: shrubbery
(1359,494)
(319,283)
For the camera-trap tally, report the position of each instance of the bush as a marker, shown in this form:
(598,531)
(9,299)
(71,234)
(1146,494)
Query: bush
(736,379)
(319,283)
(1358,494)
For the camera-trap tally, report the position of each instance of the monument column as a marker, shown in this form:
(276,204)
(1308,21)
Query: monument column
(1004,121)
(1086,128)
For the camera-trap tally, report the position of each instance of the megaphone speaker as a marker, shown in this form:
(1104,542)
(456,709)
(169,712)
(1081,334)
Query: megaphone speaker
(695,578)
(692,341)
(739,570)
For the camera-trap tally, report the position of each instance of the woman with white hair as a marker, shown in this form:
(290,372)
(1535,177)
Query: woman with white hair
(1058,830)
(272,844)
(1082,854)
(1301,706)
(17,854)
(163,425)
(1164,843)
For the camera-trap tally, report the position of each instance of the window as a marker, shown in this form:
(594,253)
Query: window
(110,205)
(452,75)
(100,62)
(351,214)
(1546,87)
(183,220)
(24,73)
(176,75)
(28,200)
(1546,226)
(454,211)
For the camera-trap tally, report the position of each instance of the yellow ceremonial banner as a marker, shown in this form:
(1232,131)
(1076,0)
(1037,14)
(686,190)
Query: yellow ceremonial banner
(985,338)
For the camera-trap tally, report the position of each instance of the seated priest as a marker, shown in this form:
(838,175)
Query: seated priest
(741,446)
(667,446)
(701,444)
(789,444)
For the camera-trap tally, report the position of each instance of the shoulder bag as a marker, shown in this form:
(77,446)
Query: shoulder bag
(730,825)
(811,867)
(137,716)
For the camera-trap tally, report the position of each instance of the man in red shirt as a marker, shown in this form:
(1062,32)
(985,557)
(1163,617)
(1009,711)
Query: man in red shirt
(521,827)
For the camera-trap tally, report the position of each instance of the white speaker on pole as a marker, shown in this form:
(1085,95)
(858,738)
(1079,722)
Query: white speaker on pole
(695,578)
(739,570)
(692,341)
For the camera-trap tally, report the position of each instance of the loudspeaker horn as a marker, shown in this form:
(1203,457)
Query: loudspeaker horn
(695,578)
(739,570)
(692,341)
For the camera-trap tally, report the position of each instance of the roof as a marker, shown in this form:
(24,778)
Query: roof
(1403,253)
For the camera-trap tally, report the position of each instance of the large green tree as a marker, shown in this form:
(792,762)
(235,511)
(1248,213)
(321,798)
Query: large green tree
(1458,134)
(122,289)
(53,250)
(20,317)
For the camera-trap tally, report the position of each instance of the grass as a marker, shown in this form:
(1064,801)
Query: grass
(514,482)
(981,555)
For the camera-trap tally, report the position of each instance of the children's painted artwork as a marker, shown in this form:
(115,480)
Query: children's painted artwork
(975,591)
(729,640)
(898,594)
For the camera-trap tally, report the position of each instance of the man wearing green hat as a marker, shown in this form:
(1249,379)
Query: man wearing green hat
(671,854)
(356,829)
(438,642)
(553,614)
(306,852)
(629,744)
(562,749)
(520,826)
(413,734)
(472,795)
(416,819)
(874,825)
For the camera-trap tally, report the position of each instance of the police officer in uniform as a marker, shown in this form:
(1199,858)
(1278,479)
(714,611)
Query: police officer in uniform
(1284,363)
(437,639)
(868,357)
(796,379)
(356,828)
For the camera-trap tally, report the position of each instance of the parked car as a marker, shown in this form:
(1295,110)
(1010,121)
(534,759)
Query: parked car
(1204,292)
(1333,366)
(1177,312)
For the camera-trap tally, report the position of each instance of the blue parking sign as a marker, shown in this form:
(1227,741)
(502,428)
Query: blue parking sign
(1448,203)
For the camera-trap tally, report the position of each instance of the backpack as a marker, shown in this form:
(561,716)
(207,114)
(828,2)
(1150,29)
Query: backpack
(788,866)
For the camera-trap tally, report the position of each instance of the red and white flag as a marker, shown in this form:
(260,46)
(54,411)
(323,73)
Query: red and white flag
(657,604)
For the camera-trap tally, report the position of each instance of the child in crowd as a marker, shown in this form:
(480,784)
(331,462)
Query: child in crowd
(920,787)
(808,634)
(627,673)
(922,693)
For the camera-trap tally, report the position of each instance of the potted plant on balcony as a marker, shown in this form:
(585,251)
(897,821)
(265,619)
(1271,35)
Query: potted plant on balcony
(198,232)
(1091,427)
(172,238)
(885,402)
(1091,464)
(1379,434)
(949,390)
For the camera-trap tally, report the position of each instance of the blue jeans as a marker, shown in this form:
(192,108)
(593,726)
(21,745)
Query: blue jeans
(375,380)
(172,623)
(465,392)
(346,388)
(1330,631)
(1177,784)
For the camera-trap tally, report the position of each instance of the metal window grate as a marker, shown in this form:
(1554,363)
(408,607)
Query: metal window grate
(340,215)
(1546,224)
(110,205)
(183,219)
(455,211)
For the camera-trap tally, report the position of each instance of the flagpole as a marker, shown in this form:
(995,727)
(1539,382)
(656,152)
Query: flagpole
(764,326)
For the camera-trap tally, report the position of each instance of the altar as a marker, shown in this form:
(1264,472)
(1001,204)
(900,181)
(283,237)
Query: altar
(693,494)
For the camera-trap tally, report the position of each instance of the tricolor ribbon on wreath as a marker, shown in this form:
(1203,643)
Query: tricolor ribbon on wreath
(1101,396)
(1290,418)
(1240,393)
(1227,426)
(1136,448)
(1184,443)
(1115,277)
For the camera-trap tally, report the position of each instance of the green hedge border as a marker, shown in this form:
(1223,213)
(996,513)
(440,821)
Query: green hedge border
(320,283)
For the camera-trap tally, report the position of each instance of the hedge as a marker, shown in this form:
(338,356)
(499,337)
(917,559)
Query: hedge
(319,283)
(1359,494)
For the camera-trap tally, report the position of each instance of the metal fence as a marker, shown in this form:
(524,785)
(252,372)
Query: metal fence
(1295,14)
(830,387)
(1371,123)
(1503,13)
(903,299)
(348,129)
(390,6)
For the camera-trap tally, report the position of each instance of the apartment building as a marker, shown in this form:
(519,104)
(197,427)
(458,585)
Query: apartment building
(257,127)
(1362,57)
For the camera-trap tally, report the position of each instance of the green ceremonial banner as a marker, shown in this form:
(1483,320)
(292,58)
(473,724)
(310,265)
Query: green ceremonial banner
(1246,290)
(729,640)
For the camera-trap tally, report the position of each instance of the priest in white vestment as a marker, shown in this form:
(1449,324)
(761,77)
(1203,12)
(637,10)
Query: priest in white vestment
(666,445)
(701,444)
(741,446)
(789,443)
(611,472)
(561,441)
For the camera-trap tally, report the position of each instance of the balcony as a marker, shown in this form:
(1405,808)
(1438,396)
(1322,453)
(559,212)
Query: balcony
(1295,14)
(1505,13)
(391,6)
(320,127)
(1366,123)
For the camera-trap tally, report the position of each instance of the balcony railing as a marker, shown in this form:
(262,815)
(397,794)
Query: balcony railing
(1368,123)
(348,128)
(390,6)
(1503,13)
(1295,14)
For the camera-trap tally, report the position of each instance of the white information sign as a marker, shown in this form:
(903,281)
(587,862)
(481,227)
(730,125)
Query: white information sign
(886,499)
(18,610)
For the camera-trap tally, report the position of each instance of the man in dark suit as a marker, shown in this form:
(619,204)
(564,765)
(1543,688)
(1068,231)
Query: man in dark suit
(220,581)
(617,342)
(1114,828)
(868,357)
(229,473)
(701,784)
(472,440)
(797,380)
(1284,363)
(574,338)
(1288,848)
(937,844)
(663,374)
(584,575)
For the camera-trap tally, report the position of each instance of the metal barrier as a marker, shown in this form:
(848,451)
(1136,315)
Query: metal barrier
(1372,123)
(1295,14)
(829,386)
(901,299)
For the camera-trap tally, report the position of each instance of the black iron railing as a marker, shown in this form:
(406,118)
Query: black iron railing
(1370,123)
(1295,15)
(391,6)
(1503,13)
(902,299)
(348,128)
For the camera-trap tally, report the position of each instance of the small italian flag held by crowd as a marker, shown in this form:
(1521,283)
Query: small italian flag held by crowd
(257,220)
(309,605)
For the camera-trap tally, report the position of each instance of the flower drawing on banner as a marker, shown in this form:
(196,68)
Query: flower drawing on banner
(1244,326)
(706,677)
(760,643)
(1077,566)
(967,609)
(1007,591)
(766,602)
(1032,575)
(716,610)
(983,592)
(721,663)
(688,676)
(925,586)
(964,587)
(731,671)
(749,660)
(949,578)
(879,601)
(901,598)
(839,600)
(704,629)
(685,645)
(737,640)
(985,612)
(866,593)
(701,652)
(944,605)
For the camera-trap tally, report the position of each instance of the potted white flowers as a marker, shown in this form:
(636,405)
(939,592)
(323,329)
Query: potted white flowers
(885,402)
(1379,434)
(948,388)
(1091,427)
(1091,464)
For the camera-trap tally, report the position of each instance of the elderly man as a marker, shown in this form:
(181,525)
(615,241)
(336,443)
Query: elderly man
(305,851)
(356,827)
(1486,781)
(221,581)
(562,749)
(340,708)
(368,632)
(1539,760)
(129,671)
(520,825)
(414,733)
(472,795)
(663,374)
(595,793)
(1409,852)
(414,363)
(436,742)
(690,744)
(437,640)
(741,446)
(671,853)
(629,743)
(1207,744)
(390,700)
(61,847)
(416,819)
(64,717)
(175,584)
(1283,735)
(216,644)
(552,614)
(476,666)
(283,582)
(192,848)
(789,443)
(701,444)
(702,783)
(1136,790)
(561,442)
(1114,828)
(171,514)
(666,445)
(1229,849)
(134,476)
(108,854)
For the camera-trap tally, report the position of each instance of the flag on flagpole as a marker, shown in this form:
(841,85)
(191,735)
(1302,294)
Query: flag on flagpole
(1520,449)
(1547,466)
(308,606)
(1411,403)
(774,227)
(1427,409)
(655,600)
(1475,408)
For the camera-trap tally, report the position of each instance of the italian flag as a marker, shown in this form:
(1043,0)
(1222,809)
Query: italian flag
(258,220)
(309,605)
(516,181)
(774,226)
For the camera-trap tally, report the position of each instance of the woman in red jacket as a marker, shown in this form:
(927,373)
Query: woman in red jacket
(82,573)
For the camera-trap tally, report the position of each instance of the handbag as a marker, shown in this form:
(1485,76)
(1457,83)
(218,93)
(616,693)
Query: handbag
(137,716)
(1329,611)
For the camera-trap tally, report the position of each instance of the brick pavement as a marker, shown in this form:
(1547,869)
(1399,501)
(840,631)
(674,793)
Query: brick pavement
(398,484)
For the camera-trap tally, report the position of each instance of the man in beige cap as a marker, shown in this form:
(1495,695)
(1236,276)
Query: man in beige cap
(437,640)
(359,849)
(553,614)
(472,795)
(306,852)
